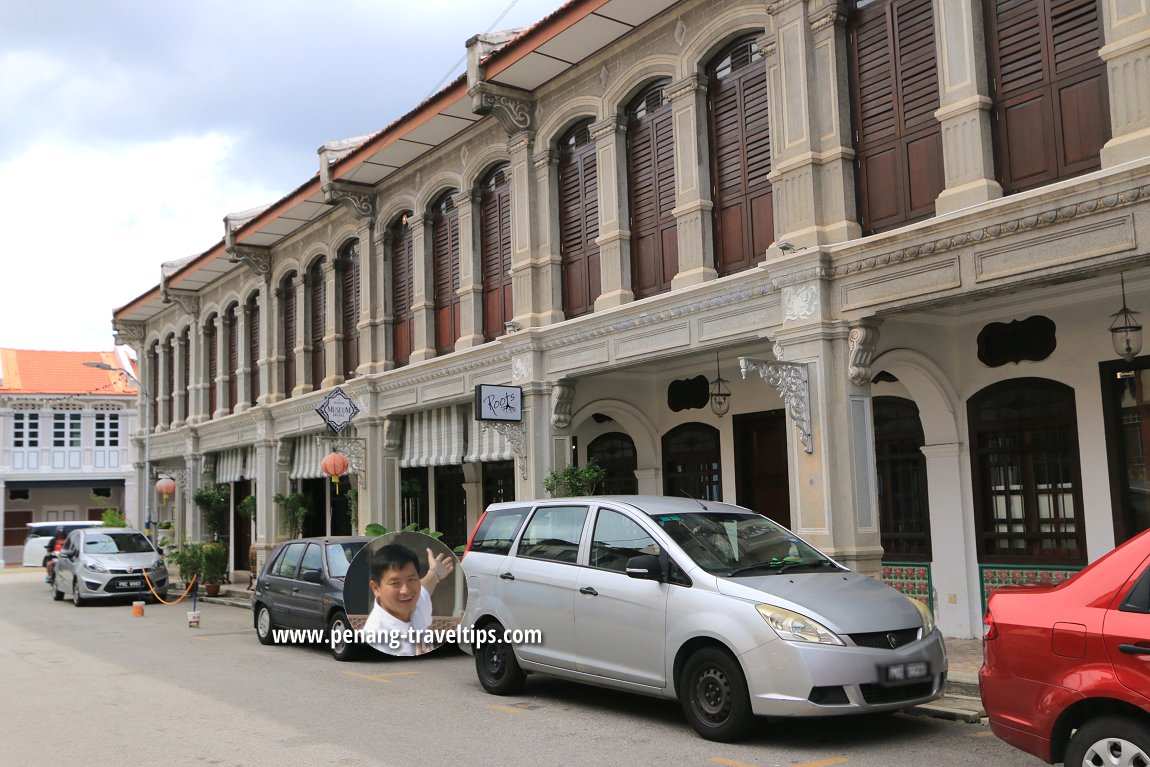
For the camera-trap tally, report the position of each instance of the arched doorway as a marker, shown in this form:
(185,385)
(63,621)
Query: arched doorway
(904,512)
(691,462)
(615,452)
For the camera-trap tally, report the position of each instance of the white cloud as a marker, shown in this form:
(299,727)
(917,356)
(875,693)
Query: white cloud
(96,221)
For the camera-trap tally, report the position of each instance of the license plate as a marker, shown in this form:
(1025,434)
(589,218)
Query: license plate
(897,673)
(131,584)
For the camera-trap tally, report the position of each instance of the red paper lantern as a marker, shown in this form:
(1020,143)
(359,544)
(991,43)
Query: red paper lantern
(165,486)
(335,465)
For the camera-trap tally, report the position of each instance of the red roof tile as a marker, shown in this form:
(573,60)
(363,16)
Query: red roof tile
(27,371)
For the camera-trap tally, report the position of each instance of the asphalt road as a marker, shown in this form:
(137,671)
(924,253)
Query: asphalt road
(96,686)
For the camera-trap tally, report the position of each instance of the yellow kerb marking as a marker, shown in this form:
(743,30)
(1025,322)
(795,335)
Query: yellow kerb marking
(824,762)
(980,735)
(511,709)
(381,678)
(728,762)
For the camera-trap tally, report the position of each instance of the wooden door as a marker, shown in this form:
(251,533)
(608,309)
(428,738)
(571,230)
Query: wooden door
(762,477)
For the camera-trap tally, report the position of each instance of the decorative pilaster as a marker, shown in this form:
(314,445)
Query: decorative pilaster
(332,340)
(964,107)
(548,258)
(244,362)
(693,204)
(470,272)
(614,239)
(179,395)
(163,397)
(1126,30)
(301,341)
(222,326)
(423,293)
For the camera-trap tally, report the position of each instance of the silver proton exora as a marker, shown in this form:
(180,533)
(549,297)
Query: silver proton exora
(100,563)
(707,603)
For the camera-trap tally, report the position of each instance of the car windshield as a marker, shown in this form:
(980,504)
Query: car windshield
(339,556)
(116,543)
(733,544)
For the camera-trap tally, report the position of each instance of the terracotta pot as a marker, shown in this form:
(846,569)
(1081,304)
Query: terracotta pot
(212,589)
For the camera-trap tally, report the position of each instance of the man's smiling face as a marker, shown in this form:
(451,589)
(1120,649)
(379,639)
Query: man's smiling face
(397,591)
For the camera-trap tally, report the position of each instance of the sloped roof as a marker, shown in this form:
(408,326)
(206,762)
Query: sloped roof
(27,371)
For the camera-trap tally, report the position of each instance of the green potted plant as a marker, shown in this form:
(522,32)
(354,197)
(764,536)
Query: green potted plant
(215,555)
(574,480)
(212,501)
(189,558)
(295,508)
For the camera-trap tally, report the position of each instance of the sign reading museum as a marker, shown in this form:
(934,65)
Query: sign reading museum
(498,403)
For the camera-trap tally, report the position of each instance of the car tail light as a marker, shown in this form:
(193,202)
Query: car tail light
(471,537)
(989,629)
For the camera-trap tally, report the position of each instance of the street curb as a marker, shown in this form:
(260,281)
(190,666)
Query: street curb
(956,708)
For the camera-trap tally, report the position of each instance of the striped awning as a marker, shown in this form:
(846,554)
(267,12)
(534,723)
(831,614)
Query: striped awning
(435,437)
(486,444)
(250,463)
(230,465)
(307,458)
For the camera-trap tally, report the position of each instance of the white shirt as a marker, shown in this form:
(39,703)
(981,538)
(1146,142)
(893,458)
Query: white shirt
(392,634)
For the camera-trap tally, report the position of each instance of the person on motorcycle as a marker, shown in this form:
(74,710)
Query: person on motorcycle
(53,548)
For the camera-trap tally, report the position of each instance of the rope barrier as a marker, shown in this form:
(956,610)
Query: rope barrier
(161,599)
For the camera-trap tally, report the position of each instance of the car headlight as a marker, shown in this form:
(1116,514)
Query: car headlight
(95,567)
(796,627)
(157,564)
(927,615)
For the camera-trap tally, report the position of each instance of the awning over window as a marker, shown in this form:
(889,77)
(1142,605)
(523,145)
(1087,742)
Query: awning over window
(486,444)
(250,463)
(307,458)
(435,437)
(230,465)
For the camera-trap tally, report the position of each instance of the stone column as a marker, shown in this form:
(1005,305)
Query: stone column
(1126,30)
(470,272)
(176,386)
(267,522)
(964,107)
(332,339)
(954,566)
(385,302)
(193,524)
(805,55)
(302,342)
(221,381)
(242,324)
(548,257)
(693,205)
(371,279)
(614,238)
(271,374)
(531,274)
(3,500)
(163,397)
(198,390)
(423,289)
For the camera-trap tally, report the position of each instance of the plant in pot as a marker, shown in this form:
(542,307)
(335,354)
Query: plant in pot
(295,508)
(212,501)
(574,480)
(215,567)
(247,508)
(189,557)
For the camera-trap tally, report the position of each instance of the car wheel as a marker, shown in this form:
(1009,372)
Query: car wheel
(713,694)
(265,627)
(340,649)
(496,666)
(76,598)
(1110,740)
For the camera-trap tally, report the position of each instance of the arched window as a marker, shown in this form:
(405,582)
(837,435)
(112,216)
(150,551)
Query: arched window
(691,463)
(349,298)
(895,96)
(578,220)
(232,329)
(170,376)
(740,156)
(1026,475)
(615,452)
(1051,100)
(651,179)
(286,297)
(211,349)
(154,382)
(495,250)
(317,320)
(252,315)
(445,257)
(186,366)
(901,468)
(402,288)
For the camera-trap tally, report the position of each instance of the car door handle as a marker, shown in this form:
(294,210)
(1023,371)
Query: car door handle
(1133,649)
(507,576)
(295,590)
(589,591)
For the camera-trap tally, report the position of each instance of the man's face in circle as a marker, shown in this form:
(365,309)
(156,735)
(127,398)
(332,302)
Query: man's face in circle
(397,591)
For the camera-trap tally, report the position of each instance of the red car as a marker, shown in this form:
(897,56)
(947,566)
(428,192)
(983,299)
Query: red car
(1066,674)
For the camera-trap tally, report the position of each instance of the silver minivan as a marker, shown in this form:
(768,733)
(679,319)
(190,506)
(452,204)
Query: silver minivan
(707,603)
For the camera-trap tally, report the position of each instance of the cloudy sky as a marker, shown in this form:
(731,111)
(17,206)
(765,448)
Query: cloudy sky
(129,128)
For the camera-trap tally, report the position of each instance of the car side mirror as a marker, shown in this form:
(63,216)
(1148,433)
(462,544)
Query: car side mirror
(68,553)
(311,576)
(645,567)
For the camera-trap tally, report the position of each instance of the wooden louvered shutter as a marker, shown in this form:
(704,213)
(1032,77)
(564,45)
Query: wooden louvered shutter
(317,287)
(154,382)
(213,365)
(170,379)
(402,287)
(233,328)
(349,316)
(186,358)
(253,350)
(740,158)
(495,251)
(287,311)
(899,141)
(651,177)
(579,221)
(445,251)
(1052,106)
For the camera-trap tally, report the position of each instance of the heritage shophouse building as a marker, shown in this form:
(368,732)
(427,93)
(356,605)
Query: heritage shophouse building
(896,228)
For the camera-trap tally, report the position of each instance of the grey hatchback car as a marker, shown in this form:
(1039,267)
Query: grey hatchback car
(301,587)
(107,562)
(707,603)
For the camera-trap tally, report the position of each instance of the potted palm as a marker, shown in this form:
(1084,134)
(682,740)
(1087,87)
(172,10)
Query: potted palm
(215,567)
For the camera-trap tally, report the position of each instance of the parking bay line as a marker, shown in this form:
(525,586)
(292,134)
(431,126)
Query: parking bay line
(515,708)
(819,763)
(980,734)
(381,677)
